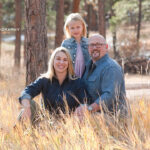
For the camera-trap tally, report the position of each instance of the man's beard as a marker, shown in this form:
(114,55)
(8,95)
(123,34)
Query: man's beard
(95,54)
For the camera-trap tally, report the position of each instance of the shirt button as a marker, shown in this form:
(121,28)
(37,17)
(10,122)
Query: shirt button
(73,62)
(74,55)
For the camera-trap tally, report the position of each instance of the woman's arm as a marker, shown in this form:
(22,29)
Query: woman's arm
(32,90)
(27,109)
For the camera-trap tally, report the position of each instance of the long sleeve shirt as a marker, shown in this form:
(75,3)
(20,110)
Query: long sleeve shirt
(106,83)
(56,96)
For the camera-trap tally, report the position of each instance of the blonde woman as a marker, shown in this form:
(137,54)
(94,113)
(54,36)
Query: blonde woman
(76,42)
(58,82)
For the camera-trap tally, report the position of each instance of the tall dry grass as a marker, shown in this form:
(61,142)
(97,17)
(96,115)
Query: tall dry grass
(67,133)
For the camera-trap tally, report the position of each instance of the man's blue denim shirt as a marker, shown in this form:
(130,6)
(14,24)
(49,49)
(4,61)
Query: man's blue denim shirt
(106,83)
(71,45)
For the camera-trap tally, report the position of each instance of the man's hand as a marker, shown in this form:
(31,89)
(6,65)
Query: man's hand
(81,110)
(95,107)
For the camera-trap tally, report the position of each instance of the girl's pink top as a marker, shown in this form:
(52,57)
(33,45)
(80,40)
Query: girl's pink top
(79,63)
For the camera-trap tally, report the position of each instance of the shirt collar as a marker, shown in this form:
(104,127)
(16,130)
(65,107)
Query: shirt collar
(73,39)
(98,62)
(54,79)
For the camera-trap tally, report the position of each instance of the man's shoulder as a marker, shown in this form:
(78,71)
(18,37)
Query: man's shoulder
(109,64)
(112,63)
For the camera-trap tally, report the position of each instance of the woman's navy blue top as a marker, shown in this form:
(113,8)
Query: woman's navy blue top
(56,96)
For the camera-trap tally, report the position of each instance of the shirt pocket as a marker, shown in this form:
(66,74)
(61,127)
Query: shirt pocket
(92,78)
(93,82)
(92,85)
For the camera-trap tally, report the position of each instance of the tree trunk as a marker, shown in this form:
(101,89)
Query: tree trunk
(88,18)
(59,22)
(101,6)
(36,39)
(139,20)
(94,22)
(0,26)
(24,46)
(75,6)
(114,43)
(116,53)
(85,17)
(114,32)
(18,33)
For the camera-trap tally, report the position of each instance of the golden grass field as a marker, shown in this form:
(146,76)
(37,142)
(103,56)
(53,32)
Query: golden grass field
(68,133)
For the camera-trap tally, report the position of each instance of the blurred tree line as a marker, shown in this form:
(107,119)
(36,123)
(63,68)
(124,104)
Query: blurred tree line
(38,18)
(126,11)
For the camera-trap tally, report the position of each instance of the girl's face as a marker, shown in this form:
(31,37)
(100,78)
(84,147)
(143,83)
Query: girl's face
(60,62)
(76,29)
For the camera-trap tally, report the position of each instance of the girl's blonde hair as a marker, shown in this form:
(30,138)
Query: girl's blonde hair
(51,71)
(74,17)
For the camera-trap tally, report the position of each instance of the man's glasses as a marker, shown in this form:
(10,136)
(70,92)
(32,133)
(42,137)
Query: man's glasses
(97,45)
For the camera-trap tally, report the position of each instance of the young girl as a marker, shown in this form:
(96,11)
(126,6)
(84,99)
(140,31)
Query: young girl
(76,42)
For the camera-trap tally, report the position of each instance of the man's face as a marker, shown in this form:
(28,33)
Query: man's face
(97,47)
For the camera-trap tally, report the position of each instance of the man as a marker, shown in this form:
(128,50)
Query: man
(104,80)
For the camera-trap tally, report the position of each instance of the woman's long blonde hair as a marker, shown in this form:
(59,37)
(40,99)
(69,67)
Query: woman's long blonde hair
(74,17)
(51,71)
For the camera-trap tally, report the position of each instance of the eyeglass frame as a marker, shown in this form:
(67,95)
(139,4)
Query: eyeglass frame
(97,45)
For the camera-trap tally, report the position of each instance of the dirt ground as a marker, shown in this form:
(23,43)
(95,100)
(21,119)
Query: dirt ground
(137,86)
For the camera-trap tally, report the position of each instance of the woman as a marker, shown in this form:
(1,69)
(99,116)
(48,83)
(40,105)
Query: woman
(58,87)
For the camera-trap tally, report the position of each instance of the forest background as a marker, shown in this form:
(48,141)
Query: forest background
(124,23)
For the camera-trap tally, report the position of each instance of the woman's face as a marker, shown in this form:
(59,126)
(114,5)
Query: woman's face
(60,62)
(75,29)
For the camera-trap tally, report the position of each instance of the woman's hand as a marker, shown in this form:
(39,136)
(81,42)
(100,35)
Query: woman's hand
(26,115)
